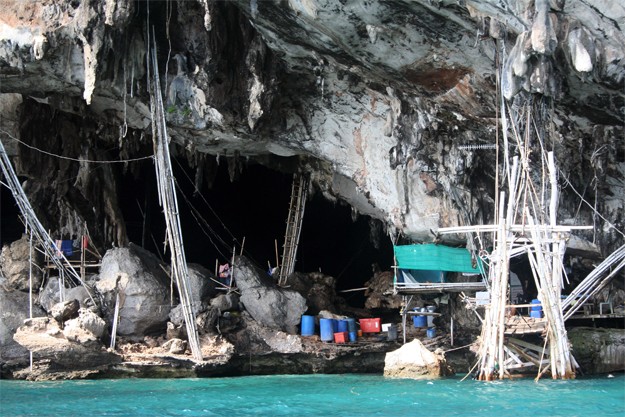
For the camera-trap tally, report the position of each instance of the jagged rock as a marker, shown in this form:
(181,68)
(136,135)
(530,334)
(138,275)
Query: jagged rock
(87,327)
(49,296)
(143,288)
(44,338)
(175,331)
(175,346)
(598,350)
(213,345)
(225,302)
(379,291)
(269,305)
(318,289)
(200,286)
(15,265)
(207,320)
(413,360)
(65,310)
(15,309)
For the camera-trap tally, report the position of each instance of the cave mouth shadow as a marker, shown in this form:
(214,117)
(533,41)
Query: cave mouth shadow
(254,207)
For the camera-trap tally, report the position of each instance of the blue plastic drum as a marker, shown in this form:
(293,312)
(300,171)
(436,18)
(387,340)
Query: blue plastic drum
(326,330)
(308,325)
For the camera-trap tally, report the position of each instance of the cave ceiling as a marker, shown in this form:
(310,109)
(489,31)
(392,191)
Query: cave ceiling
(376,100)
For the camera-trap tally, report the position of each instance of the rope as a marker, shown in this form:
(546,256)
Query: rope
(95,161)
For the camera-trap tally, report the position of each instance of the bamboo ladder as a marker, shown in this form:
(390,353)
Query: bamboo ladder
(297,205)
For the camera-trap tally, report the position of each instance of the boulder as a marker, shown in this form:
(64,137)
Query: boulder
(15,265)
(175,346)
(207,320)
(413,360)
(318,289)
(49,296)
(175,331)
(598,350)
(225,302)
(143,287)
(270,305)
(44,338)
(15,309)
(87,327)
(64,311)
(200,285)
(379,291)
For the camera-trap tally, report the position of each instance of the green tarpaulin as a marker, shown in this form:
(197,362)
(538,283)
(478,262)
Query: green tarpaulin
(431,257)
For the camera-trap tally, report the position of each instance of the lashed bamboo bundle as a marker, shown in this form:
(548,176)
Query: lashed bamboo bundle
(169,202)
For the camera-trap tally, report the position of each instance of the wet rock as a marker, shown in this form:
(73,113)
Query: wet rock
(65,310)
(15,265)
(268,304)
(143,289)
(598,350)
(413,360)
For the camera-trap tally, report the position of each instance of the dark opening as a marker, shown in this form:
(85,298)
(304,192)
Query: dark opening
(255,207)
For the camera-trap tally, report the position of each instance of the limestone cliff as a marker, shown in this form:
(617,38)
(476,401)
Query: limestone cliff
(391,106)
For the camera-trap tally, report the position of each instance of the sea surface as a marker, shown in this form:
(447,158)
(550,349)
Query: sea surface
(315,395)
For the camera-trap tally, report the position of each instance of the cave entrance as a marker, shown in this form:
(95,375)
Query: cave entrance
(254,207)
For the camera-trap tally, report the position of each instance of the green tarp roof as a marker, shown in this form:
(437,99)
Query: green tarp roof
(431,257)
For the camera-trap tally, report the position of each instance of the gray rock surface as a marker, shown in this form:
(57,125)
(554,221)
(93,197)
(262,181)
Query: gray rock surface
(45,339)
(65,310)
(143,289)
(225,302)
(268,304)
(598,350)
(49,295)
(413,360)
(15,265)
(14,310)
(87,327)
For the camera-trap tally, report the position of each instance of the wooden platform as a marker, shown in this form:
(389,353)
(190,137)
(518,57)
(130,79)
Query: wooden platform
(524,325)
(427,287)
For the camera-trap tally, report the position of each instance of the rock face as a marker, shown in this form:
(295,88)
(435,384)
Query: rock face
(318,289)
(15,265)
(413,360)
(390,105)
(598,350)
(269,305)
(87,327)
(46,340)
(15,309)
(142,285)
(49,296)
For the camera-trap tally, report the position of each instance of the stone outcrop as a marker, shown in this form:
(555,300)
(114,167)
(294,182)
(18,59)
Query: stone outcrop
(65,310)
(45,339)
(49,296)
(268,304)
(87,327)
(598,350)
(143,288)
(318,289)
(15,309)
(413,360)
(15,266)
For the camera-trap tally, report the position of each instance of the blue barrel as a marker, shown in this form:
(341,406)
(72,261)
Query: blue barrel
(420,321)
(536,310)
(335,325)
(326,330)
(308,325)
(353,336)
(430,332)
(351,325)
(342,326)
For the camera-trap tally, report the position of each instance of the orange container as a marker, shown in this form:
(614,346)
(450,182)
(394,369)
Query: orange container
(370,325)
(341,337)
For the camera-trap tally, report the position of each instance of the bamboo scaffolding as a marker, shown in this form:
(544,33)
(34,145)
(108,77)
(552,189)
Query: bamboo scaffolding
(169,202)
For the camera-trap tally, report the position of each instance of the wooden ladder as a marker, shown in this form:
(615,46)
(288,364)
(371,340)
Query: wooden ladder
(299,192)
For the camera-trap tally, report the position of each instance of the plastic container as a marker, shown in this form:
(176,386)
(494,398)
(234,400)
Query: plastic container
(308,325)
(430,332)
(392,333)
(536,310)
(353,336)
(342,325)
(351,325)
(335,325)
(326,330)
(370,325)
(341,337)
(420,321)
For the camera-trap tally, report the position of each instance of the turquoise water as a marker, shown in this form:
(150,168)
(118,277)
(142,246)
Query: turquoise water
(314,395)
